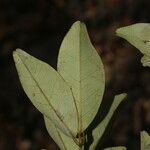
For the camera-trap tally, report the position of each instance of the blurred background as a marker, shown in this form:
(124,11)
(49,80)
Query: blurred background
(38,27)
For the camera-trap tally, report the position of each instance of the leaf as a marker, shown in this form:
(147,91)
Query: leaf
(64,142)
(139,36)
(116,148)
(100,129)
(48,91)
(145,141)
(81,67)
(145,60)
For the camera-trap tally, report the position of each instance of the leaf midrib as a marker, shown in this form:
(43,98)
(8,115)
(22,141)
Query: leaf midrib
(80,99)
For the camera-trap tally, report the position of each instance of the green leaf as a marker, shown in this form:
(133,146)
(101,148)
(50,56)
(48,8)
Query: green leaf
(145,60)
(100,129)
(116,148)
(47,91)
(64,142)
(145,141)
(139,36)
(81,67)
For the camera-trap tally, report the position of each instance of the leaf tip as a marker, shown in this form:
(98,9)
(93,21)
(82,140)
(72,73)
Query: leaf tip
(78,24)
(145,60)
(15,56)
(124,95)
(121,96)
(144,133)
(20,51)
(119,32)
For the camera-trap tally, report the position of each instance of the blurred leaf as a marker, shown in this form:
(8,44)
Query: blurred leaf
(81,67)
(100,129)
(145,141)
(47,91)
(145,60)
(139,36)
(64,142)
(116,148)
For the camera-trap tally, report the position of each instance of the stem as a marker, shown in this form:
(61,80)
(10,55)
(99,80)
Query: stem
(81,138)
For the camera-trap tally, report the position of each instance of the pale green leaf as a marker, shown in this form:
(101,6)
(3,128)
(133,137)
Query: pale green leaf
(139,36)
(64,142)
(145,60)
(100,129)
(81,67)
(116,148)
(145,141)
(47,91)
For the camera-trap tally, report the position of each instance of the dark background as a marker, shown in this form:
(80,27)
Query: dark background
(38,27)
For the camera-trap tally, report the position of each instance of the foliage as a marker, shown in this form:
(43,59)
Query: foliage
(70,97)
(139,36)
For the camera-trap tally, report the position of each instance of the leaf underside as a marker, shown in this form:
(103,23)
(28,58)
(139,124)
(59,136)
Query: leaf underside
(139,36)
(47,91)
(64,142)
(145,141)
(81,67)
